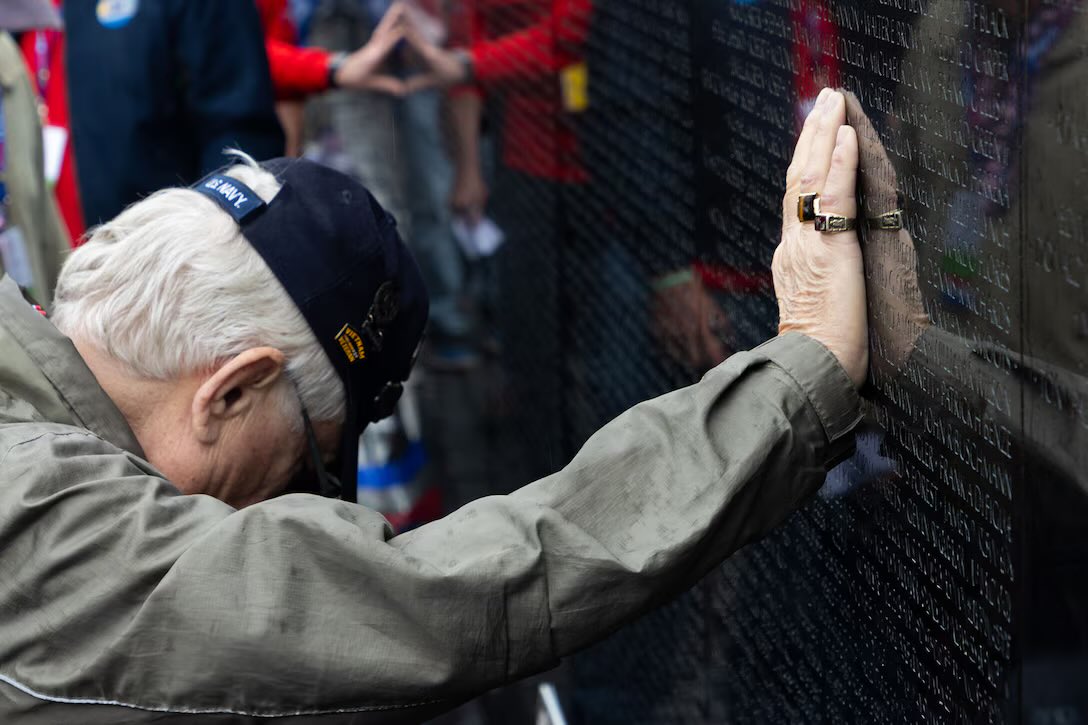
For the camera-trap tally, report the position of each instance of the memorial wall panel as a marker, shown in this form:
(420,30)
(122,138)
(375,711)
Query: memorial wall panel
(941,574)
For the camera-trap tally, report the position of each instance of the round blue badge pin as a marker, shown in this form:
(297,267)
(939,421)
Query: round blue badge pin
(116,13)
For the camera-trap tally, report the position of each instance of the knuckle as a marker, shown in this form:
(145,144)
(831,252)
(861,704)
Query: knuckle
(809,180)
(828,202)
(840,159)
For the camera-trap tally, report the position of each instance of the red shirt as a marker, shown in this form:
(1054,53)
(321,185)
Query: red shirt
(519,47)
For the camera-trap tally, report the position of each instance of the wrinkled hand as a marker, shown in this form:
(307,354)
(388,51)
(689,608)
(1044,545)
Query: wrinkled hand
(361,70)
(688,322)
(468,198)
(897,316)
(818,278)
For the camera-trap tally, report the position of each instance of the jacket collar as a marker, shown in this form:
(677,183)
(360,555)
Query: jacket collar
(59,361)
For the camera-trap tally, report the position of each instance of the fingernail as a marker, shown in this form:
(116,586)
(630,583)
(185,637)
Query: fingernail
(842,135)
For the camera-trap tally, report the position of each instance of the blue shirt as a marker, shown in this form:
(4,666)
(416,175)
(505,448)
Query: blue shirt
(158,89)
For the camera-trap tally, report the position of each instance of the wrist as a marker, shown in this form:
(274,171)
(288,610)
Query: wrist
(467,64)
(468,170)
(332,70)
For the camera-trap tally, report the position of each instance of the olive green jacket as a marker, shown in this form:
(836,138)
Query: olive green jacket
(31,205)
(123,601)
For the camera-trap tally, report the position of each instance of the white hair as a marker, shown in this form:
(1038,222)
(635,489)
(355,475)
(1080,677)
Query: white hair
(170,287)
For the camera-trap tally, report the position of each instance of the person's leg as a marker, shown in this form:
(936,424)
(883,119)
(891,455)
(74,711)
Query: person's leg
(428,174)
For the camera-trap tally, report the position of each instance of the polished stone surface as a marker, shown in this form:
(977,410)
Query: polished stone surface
(941,575)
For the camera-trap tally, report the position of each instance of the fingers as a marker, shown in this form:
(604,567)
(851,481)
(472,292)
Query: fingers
(800,159)
(839,195)
(387,84)
(393,16)
(421,82)
(388,38)
(804,141)
(420,44)
(878,178)
(473,214)
(832,115)
(390,31)
(384,40)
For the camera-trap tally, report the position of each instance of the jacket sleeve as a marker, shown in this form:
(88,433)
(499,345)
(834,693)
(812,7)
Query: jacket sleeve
(227,83)
(276,21)
(305,605)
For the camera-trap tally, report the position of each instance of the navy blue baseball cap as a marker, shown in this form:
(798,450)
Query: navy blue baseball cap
(338,255)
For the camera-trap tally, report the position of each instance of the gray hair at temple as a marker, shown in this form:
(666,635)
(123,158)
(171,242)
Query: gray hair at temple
(170,287)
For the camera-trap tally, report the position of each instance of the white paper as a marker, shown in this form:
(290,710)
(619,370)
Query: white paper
(54,141)
(480,240)
(549,711)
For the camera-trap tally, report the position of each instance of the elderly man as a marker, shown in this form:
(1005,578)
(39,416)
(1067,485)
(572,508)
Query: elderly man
(212,341)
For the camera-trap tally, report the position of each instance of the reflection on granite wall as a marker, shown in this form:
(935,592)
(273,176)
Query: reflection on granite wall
(942,573)
(897,594)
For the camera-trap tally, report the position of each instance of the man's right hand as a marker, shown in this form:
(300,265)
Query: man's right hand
(818,278)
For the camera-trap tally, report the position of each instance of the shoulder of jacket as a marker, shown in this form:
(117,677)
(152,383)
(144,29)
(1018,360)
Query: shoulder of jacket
(15,436)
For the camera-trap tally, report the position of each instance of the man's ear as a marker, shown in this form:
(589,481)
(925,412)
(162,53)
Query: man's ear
(233,389)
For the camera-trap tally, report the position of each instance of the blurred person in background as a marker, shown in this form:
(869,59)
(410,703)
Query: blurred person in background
(515,54)
(300,72)
(397,147)
(519,49)
(530,54)
(235,107)
(152,93)
(429,174)
(524,61)
(32,239)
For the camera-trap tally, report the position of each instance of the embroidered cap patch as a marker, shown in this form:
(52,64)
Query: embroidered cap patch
(231,195)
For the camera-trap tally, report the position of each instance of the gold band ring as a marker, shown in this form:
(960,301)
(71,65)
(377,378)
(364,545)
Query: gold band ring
(891,221)
(835,223)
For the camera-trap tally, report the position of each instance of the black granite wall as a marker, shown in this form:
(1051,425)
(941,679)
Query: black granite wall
(941,575)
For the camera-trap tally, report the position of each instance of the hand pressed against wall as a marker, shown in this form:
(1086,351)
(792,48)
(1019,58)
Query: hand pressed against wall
(818,277)
(897,316)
